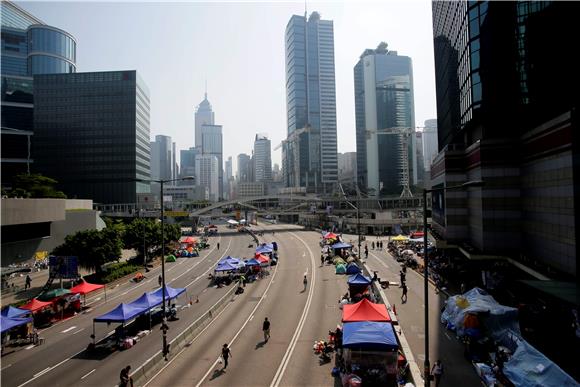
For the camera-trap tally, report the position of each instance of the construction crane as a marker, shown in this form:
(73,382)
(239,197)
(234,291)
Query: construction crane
(404,134)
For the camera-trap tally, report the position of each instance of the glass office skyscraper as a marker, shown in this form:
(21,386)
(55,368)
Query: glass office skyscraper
(29,47)
(310,156)
(92,134)
(383,83)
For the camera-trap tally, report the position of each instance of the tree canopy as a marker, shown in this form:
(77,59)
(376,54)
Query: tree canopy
(146,233)
(34,186)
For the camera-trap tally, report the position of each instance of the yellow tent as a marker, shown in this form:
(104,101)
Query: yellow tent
(400,238)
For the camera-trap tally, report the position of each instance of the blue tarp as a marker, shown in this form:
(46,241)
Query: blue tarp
(7,323)
(358,279)
(341,245)
(231,260)
(369,335)
(170,292)
(11,311)
(265,248)
(352,268)
(122,313)
(528,367)
(252,262)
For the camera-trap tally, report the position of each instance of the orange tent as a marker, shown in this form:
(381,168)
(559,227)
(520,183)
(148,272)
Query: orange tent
(35,305)
(365,311)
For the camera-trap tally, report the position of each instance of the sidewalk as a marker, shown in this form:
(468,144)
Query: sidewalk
(442,344)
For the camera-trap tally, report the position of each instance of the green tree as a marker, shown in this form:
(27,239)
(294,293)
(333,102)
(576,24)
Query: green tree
(35,186)
(94,248)
(147,232)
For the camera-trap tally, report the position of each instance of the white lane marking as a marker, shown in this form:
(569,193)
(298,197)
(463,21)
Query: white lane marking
(7,366)
(286,359)
(69,329)
(98,299)
(251,317)
(110,333)
(30,347)
(240,330)
(82,329)
(446,335)
(88,374)
(42,372)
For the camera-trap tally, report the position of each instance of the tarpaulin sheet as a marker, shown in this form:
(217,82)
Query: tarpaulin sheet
(529,367)
(7,323)
(341,245)
(499,319)
(369,335)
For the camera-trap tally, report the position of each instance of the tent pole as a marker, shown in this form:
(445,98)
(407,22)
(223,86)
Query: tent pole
(94,332)
(105,293)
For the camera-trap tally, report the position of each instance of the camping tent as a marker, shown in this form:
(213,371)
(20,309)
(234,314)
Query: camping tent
(369,335)
(340,268)
(11,312)
(122,313)
(338,261)
(7,323)
(188,239)
(352,268)
(400,238)
(358,279)
(365,311)
(341,245)
(35,305)
(85,287)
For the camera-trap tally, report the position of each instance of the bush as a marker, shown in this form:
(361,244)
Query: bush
(113,272)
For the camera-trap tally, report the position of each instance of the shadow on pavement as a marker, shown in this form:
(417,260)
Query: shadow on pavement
(260,345)
(217,373)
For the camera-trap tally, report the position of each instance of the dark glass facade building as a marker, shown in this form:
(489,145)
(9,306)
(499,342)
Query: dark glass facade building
(92,134)
(29,47)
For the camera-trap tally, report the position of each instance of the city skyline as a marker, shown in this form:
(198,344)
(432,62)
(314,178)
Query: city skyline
(244,72)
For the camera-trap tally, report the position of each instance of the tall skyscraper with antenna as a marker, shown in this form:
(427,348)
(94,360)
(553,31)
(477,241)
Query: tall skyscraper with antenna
(204,115)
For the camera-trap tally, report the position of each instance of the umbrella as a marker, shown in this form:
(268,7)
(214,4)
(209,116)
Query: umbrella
(399,238)
(54,293)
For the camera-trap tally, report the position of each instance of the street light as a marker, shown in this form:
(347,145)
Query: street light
(164,326)
(478,183)
(357,214)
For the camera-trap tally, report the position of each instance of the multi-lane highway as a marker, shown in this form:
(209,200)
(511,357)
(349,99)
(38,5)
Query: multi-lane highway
(298,319)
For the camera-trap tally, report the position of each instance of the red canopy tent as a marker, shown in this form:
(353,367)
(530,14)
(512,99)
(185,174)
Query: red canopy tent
(365,311)
(330,235)
(35,305)
(262,258)
(417,234)
(85,287)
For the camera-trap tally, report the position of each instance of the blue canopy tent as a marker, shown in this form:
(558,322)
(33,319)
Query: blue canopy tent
(265,248)
(147,300)
(122,313)
(369,335)
(358,279)
(252,262)
(226,266)
(7,323)
(341,245)
(352,268)
(170,293)
(11,311)
(232,260)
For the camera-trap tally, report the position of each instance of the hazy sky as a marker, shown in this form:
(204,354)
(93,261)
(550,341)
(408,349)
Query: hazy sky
(238,47)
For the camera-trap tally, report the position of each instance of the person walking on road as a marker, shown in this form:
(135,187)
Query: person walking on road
(266,329)
(402,275)
(126,380)
(305,282)
(28,282)
(404,295)
(437,372)
(218,245)
(160,280)
(226,353)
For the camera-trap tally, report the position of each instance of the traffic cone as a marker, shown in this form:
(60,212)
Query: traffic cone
(394,309)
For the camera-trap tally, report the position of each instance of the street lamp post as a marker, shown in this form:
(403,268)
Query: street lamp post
(427,365)
(164,326)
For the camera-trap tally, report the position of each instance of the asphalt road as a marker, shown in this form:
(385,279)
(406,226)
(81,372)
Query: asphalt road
(298,318)
(62,360)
